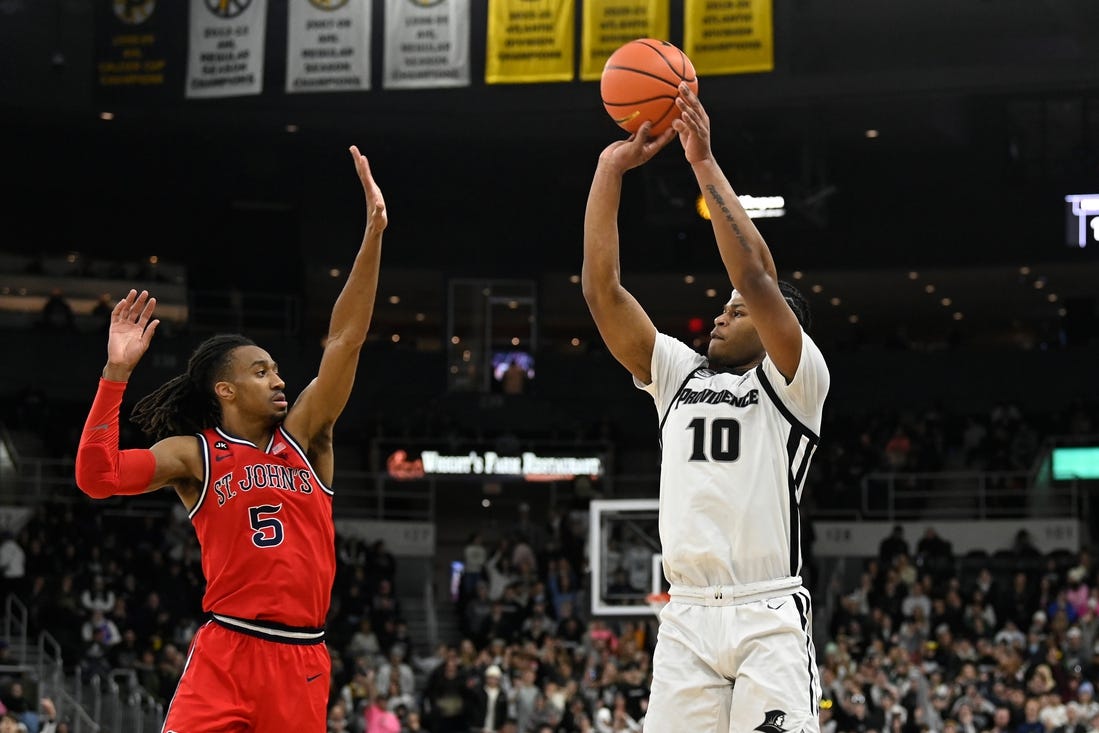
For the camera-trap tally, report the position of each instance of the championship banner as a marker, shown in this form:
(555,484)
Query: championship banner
(328,45)
(225,54)
(132,48)
(608,24)
(529,40)
(729,36)
(426,44)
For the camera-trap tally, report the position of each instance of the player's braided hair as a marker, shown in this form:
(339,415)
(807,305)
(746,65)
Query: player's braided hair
(186,404)
(798,304)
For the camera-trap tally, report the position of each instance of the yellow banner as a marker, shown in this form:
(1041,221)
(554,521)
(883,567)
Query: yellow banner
(608,24)
(530,40)
(729,36)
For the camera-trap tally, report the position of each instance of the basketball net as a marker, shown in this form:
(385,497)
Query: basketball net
(657,601)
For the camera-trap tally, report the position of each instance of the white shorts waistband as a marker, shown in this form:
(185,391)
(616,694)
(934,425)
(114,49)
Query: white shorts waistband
(732,595)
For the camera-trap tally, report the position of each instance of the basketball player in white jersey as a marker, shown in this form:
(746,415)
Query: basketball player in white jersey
(738,428)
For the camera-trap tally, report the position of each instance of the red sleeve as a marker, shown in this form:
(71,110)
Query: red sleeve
(102,470)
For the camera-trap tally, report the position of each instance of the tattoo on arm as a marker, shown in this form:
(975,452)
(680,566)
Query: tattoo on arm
(729,217)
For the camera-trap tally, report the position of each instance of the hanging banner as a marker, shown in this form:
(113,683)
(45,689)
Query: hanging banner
(608,24)
(426,44)
(328,45)
(529,40)
(728,36)
(225,55)
(132,49)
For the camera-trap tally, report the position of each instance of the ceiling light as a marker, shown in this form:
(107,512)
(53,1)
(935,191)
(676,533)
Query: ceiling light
(798,274)
(872,134)
(395,337)
(574,279)
(1052,297)
(946,302)
(913,275)
(711,293)
(958,316)
(334,272)
(929,289)
(107,116)
(835,301)
(853,318)
(817,288)
(394,299)
(575,342)
(689,279)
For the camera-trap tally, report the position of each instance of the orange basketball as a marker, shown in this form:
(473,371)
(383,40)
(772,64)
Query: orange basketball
(641,81)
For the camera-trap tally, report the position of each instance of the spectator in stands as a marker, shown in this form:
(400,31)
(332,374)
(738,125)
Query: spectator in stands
(474,557)
(488,707)
(98,597)
(57,313)
(446,699)
(17,704)
(396,669)
(337,718)
(378,717)
(12,563)
(894,544)
(101,313)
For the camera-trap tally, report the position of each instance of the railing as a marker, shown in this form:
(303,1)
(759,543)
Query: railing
(966,494)
(431,618)
(70,707)
(15,626)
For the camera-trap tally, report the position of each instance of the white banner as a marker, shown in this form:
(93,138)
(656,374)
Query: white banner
(862,539)
(426,44)
(328,46)
(225,53)
(403,539)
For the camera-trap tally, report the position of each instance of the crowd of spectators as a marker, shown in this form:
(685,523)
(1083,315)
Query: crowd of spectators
(916,645)
(1006,642)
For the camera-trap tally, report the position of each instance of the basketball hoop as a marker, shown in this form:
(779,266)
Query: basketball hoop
(657,601)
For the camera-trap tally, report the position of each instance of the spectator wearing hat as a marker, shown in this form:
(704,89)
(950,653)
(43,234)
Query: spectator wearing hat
(489,707)
(1085,705)
(1078,592)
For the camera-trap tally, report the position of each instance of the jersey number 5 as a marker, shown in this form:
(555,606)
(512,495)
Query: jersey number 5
(268,530)
(724,439)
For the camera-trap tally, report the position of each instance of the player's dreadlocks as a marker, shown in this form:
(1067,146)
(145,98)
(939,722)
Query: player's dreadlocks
(186,404)
(798,304)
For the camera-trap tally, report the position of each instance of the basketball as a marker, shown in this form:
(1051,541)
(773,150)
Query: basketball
(641,82)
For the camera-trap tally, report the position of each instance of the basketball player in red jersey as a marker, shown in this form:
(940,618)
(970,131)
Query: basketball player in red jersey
(256,483)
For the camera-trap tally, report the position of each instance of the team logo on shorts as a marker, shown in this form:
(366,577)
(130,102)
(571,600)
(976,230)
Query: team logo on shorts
(773,721)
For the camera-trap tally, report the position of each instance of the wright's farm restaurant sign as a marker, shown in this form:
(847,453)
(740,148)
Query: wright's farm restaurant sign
(529,466)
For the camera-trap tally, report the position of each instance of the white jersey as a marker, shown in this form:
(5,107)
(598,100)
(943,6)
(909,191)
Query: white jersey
(735,450)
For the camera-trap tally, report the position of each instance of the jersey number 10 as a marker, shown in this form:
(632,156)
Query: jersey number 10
(724,439)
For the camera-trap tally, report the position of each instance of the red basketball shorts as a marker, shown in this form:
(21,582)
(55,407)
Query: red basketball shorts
(246,681)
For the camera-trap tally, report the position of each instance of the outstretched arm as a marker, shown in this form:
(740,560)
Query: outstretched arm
(102,470)
(745,254)
(320,403)
(625,327)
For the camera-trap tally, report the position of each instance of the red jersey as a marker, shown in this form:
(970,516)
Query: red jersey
(264,521)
